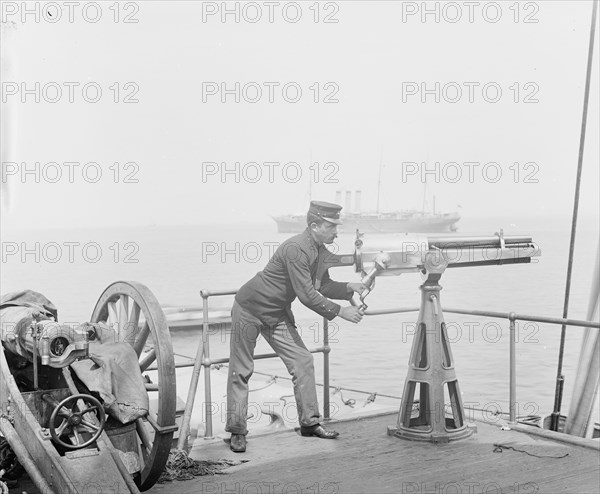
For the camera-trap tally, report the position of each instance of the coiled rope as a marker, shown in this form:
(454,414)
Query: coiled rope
(10,468)
(180,466)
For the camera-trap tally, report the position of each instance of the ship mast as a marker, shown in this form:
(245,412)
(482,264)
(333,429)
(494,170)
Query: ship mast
(425,205)
(554,425)
(310,164)
(379,178)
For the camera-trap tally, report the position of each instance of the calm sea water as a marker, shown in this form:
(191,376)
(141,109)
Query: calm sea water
(72,267)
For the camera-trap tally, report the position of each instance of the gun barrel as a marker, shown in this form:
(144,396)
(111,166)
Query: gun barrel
(464,241)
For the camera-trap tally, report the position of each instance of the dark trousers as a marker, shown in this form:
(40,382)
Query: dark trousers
(286,342)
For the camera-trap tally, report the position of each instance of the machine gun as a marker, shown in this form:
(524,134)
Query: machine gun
(429,255)
(431,374)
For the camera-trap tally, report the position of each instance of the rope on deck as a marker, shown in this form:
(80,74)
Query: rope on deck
(499,448)
(180,466)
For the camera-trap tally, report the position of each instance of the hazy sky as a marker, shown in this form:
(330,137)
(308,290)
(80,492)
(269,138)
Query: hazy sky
(501,139)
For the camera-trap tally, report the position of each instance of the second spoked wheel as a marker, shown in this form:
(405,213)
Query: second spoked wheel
(135,315)
(80,417)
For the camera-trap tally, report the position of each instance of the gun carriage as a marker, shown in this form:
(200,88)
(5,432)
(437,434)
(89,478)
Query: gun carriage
(67,436)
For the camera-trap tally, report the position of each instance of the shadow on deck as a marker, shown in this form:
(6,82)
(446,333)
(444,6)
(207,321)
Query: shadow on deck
(365,459)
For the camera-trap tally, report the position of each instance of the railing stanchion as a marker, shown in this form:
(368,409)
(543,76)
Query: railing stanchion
(191,397)
(208,432)
(326,350)
(513,370)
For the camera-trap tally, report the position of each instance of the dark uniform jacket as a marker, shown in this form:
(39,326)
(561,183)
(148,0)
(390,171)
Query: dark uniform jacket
(297,269)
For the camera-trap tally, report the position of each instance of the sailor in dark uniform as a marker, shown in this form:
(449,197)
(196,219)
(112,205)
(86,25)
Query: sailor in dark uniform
(263,306)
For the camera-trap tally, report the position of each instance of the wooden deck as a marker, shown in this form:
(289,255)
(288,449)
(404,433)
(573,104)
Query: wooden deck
(365,459)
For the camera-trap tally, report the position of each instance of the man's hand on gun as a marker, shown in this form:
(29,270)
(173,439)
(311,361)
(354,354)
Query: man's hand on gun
(351,313)
(357,287)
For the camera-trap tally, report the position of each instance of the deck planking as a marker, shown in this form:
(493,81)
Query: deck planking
(366,460)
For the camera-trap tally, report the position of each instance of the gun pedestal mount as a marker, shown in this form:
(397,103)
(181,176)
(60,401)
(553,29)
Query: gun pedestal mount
(437,413)
(431,376)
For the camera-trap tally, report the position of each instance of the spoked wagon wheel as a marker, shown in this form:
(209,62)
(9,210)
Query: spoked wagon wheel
(133,312)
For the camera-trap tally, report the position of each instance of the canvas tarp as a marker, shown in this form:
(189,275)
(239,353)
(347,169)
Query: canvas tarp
(113,371)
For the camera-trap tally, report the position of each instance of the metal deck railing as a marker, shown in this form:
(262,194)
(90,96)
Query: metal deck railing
(203,358)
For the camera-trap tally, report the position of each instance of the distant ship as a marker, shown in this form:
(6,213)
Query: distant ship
(412,220)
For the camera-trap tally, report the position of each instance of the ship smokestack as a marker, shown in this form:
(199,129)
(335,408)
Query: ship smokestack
(357,197)
(338,196)
(348,201)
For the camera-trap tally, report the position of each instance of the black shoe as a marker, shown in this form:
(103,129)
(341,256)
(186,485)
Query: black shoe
(238,443)
(318,431)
